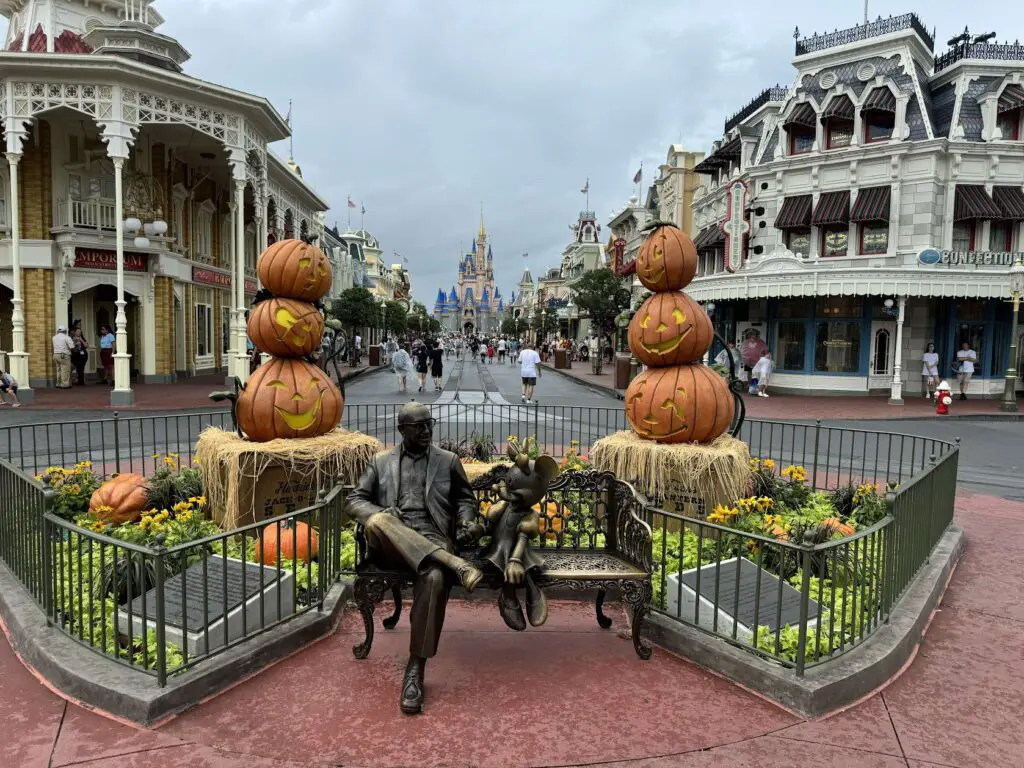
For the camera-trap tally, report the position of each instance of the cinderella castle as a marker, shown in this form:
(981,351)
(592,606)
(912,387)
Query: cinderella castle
(475,305)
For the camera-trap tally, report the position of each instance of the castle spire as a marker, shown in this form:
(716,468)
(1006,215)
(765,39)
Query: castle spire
(483,232)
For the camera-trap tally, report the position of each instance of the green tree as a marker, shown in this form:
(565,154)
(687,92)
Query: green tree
(545,320)
(355,309)
(601,295)
(433,325)
(395,319)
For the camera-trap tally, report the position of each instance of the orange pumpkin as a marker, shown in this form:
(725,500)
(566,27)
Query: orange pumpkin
(286,327)
(838,526)
(127,495)
(294,269)
(667,260)
(670,329)
(297,542)
(550,521)
(683,403)
(288,398)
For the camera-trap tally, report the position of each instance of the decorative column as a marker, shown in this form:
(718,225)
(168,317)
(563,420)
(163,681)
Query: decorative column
(122,393)
(896,392)
(242,343)
(1009,401)
(17,357)
(230,354)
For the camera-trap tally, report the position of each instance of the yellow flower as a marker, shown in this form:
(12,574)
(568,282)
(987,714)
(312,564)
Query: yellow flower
(181,506)
(172,463)
(768,464)
(722,514)
(755,464)
(185,516)
(156,456)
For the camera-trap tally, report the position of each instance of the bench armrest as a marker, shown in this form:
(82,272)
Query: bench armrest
(633,539)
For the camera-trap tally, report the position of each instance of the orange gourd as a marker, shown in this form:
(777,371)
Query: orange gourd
(297,542)
(285,327)
(288,398)
(678,404)
(670,329)
(294,269)
(550,522)
(122,499)
(667,260)
(838,526)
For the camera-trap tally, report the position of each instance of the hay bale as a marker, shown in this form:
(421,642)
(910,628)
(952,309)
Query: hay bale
(246,481)
(477,469)
(717,473)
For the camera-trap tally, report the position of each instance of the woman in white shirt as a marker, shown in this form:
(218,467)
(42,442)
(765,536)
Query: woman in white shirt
(930,369)
(966,357)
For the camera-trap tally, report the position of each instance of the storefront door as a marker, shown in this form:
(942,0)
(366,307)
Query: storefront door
(883,352)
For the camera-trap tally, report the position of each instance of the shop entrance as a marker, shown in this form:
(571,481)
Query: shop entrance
(96,308)
(883,354)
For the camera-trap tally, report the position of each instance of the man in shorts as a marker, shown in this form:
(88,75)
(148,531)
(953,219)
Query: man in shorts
(965,358)
(8,388)
(529,369)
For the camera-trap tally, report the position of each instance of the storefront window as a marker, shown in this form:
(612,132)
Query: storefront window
(970,309)
(838,306)
(963,236)
(799,241)
(874,238)
(834,241)
(794,309)
(973,334)
(837,347)
(789,354)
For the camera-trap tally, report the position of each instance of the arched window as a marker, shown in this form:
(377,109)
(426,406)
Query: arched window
(1008,111)
(878,113)
(304,229)
(882,350)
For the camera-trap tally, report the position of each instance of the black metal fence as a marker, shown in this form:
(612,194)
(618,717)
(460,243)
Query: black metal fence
(799,602)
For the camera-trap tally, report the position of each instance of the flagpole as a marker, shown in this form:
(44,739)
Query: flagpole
(349,207)
(587,187)
(362,215)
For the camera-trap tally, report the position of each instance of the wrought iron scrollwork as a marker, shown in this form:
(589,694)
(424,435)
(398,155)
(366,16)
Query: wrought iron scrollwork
(736,387)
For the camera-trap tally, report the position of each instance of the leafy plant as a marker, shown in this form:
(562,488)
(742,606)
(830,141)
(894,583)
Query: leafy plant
(172,483)
(73,488)
(459,447)
(481,447)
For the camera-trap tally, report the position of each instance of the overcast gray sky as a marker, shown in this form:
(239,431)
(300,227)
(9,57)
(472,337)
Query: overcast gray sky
(423,109)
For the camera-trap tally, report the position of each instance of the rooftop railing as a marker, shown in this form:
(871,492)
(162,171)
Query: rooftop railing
(982,51)
(774,93)
(866,31)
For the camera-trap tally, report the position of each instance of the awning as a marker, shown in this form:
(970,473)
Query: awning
(795,213)
(872,204)
(832,208)
(973,202)
(715,238)
(803,115)
(703,236)
(1011,98)
(731,149)
(1010,201)
(879,100)
(840,108)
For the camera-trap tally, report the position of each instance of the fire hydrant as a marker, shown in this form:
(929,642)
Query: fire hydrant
(943,399)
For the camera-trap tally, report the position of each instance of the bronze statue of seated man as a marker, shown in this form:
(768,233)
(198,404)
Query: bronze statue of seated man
(416,507)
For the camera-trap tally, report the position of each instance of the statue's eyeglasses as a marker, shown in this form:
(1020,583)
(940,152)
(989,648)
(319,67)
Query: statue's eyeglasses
(422,425)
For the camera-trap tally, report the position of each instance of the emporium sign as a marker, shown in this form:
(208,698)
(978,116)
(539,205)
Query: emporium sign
(932,256)
(97,258)
(211,277)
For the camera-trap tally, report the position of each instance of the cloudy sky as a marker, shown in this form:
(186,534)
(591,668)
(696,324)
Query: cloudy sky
(423,109)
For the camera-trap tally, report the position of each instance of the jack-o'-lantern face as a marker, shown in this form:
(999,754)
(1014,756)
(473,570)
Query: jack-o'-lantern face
(288,398)
(295,269)
(670,329)
(285,327)
(667,260)
(681,403)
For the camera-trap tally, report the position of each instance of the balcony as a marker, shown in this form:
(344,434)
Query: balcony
(982,52)
(98,214)
(859,32)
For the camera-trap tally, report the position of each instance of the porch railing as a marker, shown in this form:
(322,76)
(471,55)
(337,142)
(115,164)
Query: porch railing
(95,213)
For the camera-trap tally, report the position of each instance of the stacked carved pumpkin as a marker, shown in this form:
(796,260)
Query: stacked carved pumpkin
(678,398)
(289,396)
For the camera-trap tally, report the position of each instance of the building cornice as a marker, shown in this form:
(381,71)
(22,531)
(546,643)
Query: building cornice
(117,70)
(884,46)
(975,68)
(285,176)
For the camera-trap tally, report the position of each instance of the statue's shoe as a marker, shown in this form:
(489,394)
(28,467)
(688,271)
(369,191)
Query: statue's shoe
(536,604)
(511,612)
(469,576)
(412,691)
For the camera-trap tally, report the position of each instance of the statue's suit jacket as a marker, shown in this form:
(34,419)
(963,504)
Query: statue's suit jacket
(450,499)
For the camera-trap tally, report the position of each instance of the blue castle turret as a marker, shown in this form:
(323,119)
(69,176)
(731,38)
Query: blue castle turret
(453,298)
(441,301)
(490,253)
(484,299)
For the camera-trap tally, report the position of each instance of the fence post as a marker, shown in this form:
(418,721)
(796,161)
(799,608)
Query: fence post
(930,506)
(805,597)
(161,633)
(817,438)
(117,445)
(48,574)
(891,555)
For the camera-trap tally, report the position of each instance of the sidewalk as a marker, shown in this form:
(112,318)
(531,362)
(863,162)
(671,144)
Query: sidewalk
(804,407)
(188,394)
(572,694)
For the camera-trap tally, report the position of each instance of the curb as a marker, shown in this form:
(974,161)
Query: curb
(79,673)
(836,684)
(601,389)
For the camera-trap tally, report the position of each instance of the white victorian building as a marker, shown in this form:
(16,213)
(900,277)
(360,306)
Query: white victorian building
(869,209)
(133,196)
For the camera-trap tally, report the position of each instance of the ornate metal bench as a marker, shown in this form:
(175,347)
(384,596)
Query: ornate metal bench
(594,538)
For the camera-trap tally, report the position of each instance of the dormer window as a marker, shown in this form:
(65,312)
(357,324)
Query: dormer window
(800,127)
(878,115)
(838,120)
(1008,111)
(801,140)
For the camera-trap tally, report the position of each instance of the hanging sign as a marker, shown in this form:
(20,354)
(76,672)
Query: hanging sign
(97,258)
(250,285)
(736,227)
(211,277)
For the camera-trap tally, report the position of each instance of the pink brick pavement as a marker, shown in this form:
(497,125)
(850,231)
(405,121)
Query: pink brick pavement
(571,694)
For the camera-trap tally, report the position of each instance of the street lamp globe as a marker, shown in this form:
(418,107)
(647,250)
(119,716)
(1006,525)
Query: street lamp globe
(141,242)
(888,303)
(1017,277)
(132,224)
(159,227)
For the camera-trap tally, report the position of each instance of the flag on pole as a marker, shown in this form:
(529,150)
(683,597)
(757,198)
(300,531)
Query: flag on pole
(586,188)
(351,204)
(364,210)
(288,119)
(639,174)
(526,255)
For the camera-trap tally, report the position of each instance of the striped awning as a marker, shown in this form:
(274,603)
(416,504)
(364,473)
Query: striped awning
(872,204)
(1010,201)
(715,239)
(731,149)
(879,100)
(1011,98)
(802,114)
(832,208)
(840,108)
(795,213)
(973,202)
(703,236)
